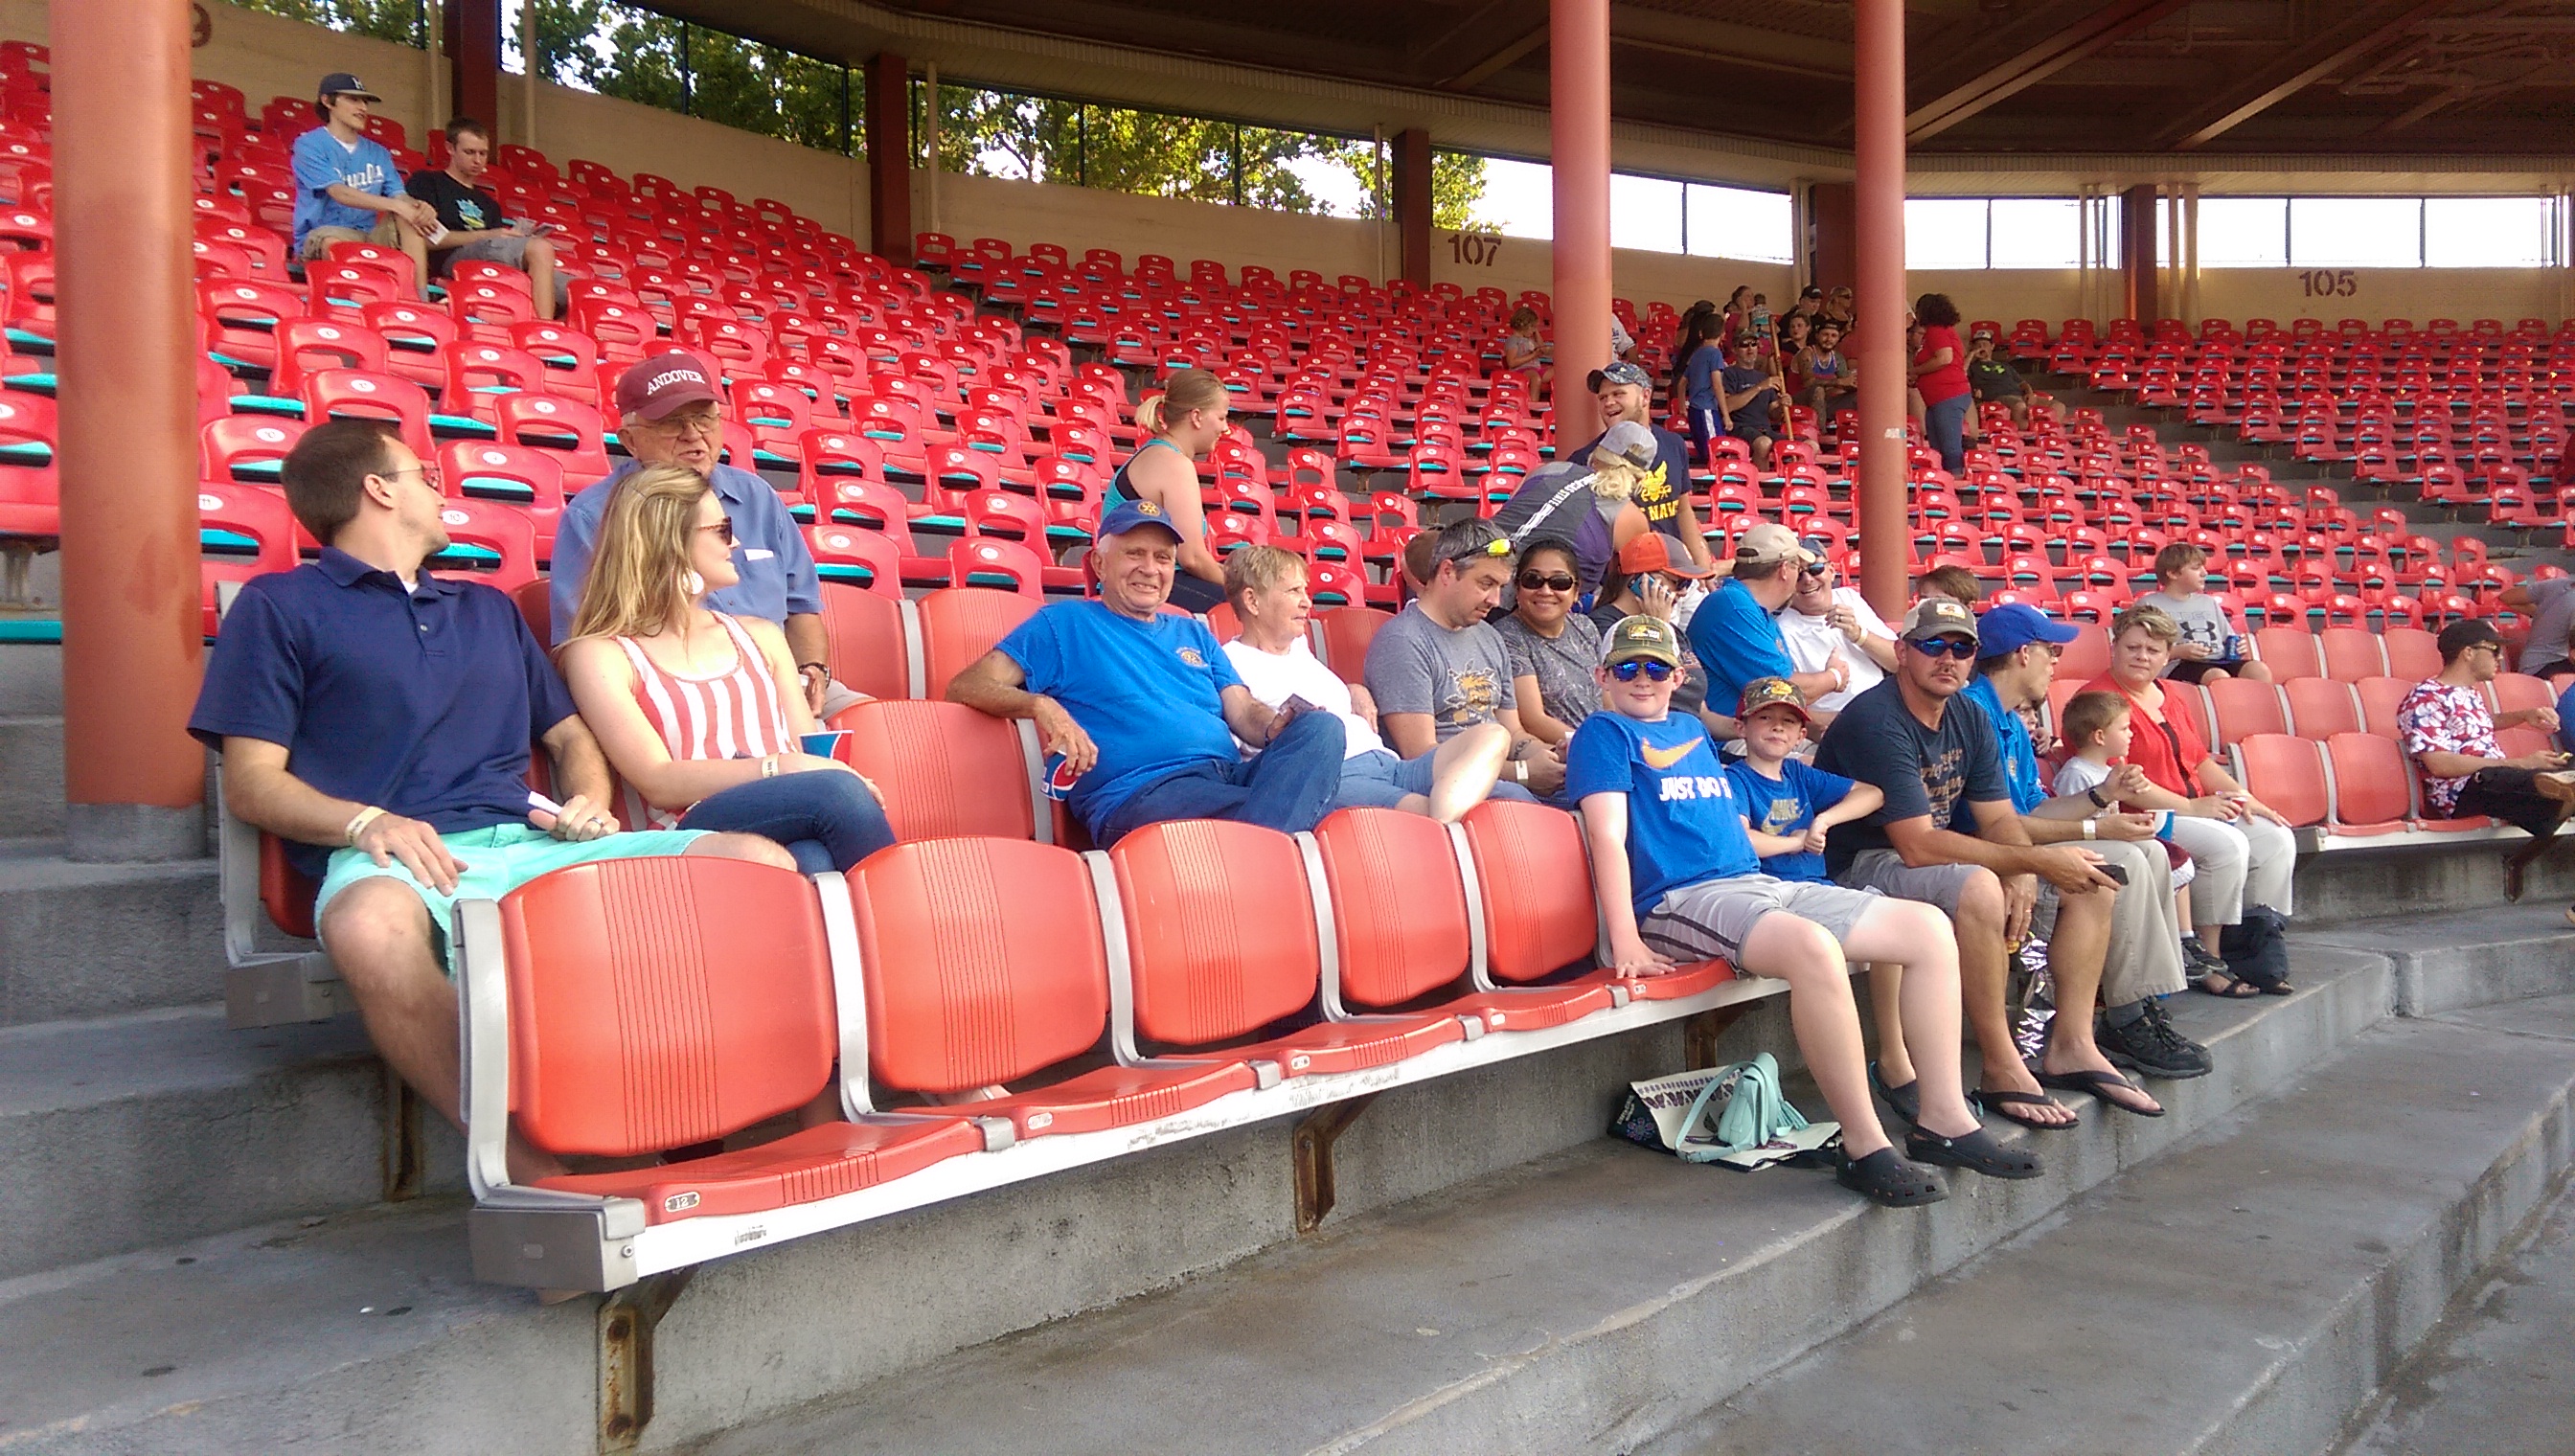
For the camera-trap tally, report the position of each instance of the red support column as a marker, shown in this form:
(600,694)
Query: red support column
(1578,112)
(1835,257)
(1412,202)
(132,640)
(890,156)
(2137,252)
(1879,198)
(472,39)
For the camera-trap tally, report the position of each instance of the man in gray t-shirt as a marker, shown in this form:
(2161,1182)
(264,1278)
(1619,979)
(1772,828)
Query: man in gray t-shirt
(1438,669)
(2206,648)
(2551,602)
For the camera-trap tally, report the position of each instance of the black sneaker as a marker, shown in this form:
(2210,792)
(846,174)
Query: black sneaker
(2188,1049)
(2147,1045)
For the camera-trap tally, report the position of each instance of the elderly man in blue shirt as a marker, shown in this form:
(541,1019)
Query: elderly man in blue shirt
(1138,709)
(2123,948)
(1736,633)
(671,411)
(378,720)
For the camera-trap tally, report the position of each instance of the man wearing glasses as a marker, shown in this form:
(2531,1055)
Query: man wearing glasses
(376,719)
(2446,728)
(1735,632)
(670,414)
(1948,836)
(1438,668)
(1824,620)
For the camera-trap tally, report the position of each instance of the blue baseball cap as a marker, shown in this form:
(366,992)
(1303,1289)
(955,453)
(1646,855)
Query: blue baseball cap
(1133,514)
(2008,629)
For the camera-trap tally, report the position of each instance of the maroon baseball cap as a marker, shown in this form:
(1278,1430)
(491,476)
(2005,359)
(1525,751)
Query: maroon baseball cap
(654,386)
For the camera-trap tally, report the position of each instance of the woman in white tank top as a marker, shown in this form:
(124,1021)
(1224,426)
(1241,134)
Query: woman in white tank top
(702,714)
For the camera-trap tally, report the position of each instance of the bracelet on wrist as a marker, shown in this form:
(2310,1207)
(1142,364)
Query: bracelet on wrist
(769,767)
(359,821)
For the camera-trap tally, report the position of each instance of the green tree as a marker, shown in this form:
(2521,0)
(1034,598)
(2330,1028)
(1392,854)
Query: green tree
(636,55)
(399,21)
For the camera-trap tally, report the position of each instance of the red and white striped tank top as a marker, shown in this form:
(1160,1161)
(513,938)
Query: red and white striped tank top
(733,714)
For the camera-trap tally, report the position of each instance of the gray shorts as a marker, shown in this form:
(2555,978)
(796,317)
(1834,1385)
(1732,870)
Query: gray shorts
(508,251)
(1712,919)
(1885,871)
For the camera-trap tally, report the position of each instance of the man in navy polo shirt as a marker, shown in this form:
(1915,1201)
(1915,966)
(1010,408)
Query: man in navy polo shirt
(376,719)
(1144,707)
(670,413)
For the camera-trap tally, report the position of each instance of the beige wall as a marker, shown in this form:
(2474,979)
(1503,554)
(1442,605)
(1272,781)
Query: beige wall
(2237,294)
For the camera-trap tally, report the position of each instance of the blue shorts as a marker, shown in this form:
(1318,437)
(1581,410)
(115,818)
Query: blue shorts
(1378,779)
(497,861)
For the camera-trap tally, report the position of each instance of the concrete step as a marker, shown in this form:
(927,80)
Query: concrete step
(2492,1378)
(1584,1303)
(98,940)
(2445,963)
(2245,1293)
(31,777)
(124,1132)
(2355,887)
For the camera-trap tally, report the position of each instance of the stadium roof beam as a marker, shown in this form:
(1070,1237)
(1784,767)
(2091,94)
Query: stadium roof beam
(2331,49)
(2050,55)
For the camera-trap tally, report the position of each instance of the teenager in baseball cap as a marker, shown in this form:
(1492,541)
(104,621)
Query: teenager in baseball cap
(1626,397)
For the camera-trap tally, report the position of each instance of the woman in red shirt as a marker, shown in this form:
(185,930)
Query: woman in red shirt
(2242,847)
(1940,373)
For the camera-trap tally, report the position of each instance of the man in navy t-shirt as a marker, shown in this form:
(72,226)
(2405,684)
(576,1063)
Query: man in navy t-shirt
(1949,834)
(1678,883)
(347,189)
(1142,708)
(376,719)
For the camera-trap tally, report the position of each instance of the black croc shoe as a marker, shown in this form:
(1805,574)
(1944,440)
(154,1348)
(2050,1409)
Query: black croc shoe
(1885,1178)
(1975,1151)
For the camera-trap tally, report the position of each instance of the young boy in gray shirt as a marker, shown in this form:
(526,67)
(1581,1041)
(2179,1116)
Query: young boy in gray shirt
(2210,646)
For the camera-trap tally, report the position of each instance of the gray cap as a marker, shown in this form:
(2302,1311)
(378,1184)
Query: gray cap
(1630,442)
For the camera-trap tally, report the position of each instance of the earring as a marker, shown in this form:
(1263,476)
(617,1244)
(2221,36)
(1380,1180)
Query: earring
(691,584)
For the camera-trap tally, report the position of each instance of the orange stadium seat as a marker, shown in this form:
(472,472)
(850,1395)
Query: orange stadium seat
(2289,652)
(960,625)
(870,640)
(2351,653)
(2285,772)
(1539,919)
(945,769)
(2243,707)
(2377,699)
(2373,790)
(984,966)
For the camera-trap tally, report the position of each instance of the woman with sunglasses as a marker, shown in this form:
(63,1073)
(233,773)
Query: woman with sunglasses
(1554,649)
(1185,421)
(700,712)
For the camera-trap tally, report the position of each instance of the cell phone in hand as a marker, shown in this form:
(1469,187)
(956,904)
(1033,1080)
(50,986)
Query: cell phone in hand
(1288,710)
(2117,873)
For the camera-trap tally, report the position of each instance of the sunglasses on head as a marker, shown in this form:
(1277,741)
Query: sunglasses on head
(1626,672)
(1533,582)
(1499,546)
(1955,647)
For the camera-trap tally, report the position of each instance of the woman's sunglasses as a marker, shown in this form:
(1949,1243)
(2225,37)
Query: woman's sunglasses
(1532,581)
(1655,671)
(723,530)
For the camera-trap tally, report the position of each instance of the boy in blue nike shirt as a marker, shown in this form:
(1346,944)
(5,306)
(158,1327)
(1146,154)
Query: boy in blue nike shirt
(1678,881)
(1788,803)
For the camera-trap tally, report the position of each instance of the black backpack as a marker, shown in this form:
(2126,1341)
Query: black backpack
(2257,951)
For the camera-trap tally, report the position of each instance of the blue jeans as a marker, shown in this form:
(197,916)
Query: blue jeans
(827,820)
(1946,426)
(1288,787)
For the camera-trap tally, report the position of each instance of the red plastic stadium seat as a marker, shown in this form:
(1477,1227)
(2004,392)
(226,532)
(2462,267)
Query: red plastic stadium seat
(960,625)
(2377,699)
(1347,630)
(985,965)
(943,769)
(2319,708)
(1401,923)
(2289,652)
(251,513)
(488,543)
(2519,692)
(1221,943)
(2351,653)
(867,642)
(982,561)
(658,1004)
(335,393)
(2373,790)
(528,478)
(2412,653)
(30,499)
(2088,656)
(858,558)
(1539,917)
(2243,707)
(2286,772)
(258,443)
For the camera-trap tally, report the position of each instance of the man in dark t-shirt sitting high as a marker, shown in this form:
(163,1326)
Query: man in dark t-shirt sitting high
(476,227)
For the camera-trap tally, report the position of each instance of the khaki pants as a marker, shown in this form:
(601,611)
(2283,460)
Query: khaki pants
(317,243)
(2144,958)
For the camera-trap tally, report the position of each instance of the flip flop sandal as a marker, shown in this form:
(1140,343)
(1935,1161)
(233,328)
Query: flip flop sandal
(1906,1101)
(1977,1152)
(1886,1179)
(2002,1104)
(2237,989)
(2096,1083)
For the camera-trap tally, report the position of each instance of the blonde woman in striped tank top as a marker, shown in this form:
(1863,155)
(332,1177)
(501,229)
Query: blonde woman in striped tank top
(699,712)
